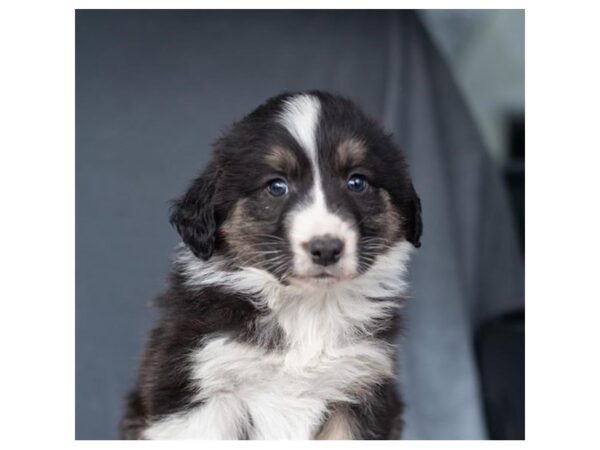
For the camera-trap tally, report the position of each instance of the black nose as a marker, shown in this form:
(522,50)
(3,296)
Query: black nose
(325,251)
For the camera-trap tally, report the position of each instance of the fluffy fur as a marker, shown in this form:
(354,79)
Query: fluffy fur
(263,336)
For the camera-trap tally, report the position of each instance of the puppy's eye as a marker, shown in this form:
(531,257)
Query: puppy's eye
(277,187)
(357,183)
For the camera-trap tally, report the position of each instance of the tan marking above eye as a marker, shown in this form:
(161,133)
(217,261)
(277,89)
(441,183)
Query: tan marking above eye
(350,153)
(391,219)
(282,160)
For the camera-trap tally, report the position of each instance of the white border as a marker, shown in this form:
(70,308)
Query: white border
(37,246)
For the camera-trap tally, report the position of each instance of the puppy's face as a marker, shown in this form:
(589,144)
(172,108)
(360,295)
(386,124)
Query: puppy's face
(305,187)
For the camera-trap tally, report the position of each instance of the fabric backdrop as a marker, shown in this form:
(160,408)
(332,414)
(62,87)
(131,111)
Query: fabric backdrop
(154,89)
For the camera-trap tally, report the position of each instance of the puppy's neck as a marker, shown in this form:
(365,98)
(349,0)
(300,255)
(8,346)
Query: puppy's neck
(314,317)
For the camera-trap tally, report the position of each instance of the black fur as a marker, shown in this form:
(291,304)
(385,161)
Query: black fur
(414,222)
(194,215)
(187,316)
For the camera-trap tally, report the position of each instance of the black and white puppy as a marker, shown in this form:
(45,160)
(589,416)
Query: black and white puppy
(281,314)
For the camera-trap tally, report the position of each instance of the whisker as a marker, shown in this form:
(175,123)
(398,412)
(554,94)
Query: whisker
(270,236)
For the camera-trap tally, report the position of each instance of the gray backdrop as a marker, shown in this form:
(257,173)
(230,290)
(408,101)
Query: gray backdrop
(155,88)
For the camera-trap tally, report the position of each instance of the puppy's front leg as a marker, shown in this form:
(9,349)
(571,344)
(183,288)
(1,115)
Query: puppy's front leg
(340,425)
(222,416)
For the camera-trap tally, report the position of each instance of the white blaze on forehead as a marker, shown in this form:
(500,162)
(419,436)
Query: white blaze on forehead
(300,116)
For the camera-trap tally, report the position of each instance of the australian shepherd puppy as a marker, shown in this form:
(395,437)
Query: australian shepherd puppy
(280,318)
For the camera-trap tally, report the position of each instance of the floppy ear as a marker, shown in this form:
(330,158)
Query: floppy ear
(194,214)
(414,224)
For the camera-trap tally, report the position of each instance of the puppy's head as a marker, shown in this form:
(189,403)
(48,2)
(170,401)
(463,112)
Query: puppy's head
(305,187)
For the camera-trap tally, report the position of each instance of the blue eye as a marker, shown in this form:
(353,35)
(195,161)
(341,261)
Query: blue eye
(357,183)
(277,187)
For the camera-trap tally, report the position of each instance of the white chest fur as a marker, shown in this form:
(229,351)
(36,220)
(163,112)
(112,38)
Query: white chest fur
(284,393)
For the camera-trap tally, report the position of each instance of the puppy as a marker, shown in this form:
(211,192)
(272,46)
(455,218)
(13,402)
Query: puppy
(281,314)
